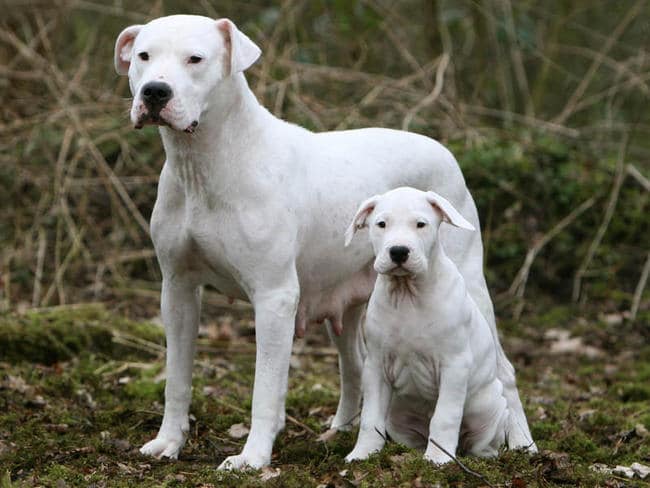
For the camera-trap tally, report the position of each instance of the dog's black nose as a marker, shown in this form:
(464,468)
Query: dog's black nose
(156,94)
(399,254)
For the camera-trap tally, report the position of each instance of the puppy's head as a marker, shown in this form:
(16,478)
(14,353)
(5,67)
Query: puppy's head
(403,227)
(175,64)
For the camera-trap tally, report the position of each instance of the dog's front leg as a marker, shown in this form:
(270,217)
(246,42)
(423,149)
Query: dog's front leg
(376,402)
(180,307)
(275,312)
(444,427)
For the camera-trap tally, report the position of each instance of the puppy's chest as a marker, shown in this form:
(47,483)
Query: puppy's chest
(410,356)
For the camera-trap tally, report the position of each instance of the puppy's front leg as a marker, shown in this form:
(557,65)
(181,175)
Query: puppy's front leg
(275,312)
(444,427)
(180,308)
(376,402)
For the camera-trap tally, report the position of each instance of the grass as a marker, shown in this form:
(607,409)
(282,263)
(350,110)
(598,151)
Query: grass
(77,419)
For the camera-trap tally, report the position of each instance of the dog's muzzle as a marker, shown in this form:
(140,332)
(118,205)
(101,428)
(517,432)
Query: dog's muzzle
(155,96)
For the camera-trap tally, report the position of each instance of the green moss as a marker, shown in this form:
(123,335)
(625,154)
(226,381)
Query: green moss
(63,333)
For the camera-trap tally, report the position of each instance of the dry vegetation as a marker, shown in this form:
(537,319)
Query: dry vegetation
(544,103)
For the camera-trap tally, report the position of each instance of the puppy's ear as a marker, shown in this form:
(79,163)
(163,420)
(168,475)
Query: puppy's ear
(124,49)
(242,51)
(447,211)
(359,220)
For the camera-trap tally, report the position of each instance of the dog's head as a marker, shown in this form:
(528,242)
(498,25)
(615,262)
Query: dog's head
(175,63)
(403,227)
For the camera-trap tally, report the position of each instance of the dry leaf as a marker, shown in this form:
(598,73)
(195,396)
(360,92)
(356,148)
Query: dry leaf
(328,435)
(269,473)
(237,431)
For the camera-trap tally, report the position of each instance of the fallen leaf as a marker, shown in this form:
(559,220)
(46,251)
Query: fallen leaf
(269,473)
(624,471)
(641,470)
(640,430)
(328,435)
(237,431)
(563,343)
(518,483)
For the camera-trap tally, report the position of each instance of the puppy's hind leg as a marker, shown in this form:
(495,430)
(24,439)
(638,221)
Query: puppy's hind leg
(352,352)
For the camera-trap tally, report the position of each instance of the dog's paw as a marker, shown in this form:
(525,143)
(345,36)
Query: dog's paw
(358,455)
(163,447)
(242,462)
(437,458)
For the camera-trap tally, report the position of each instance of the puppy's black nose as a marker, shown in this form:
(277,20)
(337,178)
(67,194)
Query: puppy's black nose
(399,254)
(156,94)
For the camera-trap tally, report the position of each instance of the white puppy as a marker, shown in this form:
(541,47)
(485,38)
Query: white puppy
(431,366)
(256,207)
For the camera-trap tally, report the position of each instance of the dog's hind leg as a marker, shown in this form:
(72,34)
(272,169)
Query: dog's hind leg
(352,352)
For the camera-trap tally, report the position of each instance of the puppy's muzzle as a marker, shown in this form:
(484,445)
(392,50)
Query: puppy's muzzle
(399,254)
(155,96)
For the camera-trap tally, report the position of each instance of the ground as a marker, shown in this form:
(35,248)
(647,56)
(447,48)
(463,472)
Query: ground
(82,388)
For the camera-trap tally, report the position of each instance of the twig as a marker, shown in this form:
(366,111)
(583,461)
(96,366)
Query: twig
(40,260)
(609,212)
(518,286)
(461,465)
(431,97)
(586,80)
(636,174)
(638,292)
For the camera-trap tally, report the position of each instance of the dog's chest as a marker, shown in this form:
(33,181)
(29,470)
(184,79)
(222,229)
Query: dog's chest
(409,356)
(189,242)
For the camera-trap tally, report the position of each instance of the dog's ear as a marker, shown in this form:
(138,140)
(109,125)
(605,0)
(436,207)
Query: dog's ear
(447,211)
(359,220)
(124,48)
(242,51)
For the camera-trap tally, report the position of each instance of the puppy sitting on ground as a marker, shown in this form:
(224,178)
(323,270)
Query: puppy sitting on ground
(430,376)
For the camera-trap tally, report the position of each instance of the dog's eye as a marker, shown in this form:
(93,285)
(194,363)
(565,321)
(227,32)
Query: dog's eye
(195,59)
(381,224)
(421,224)
(144,56)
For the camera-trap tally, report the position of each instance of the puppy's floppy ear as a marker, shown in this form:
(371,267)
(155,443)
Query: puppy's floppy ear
(448,212)
(359,220)
(242,51)
(124,49)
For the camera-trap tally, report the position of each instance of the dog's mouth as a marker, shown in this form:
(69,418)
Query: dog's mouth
(399,270)
(158,120)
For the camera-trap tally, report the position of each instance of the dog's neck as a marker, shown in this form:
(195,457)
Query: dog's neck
(211,157)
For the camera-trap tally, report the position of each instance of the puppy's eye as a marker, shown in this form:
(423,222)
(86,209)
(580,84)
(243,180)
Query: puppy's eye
(195,59)
(144,56)
(381,224)
(421,224)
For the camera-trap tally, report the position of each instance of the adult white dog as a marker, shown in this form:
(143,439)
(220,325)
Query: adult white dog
(257,208)
(431,365)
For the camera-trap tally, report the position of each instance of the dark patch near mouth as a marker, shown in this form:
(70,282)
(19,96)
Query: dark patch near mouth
(151,119)
(192,127)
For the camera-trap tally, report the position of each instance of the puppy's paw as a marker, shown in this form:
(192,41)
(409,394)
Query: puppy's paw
(437,457)
(242,462)
(358,454)
(162,447)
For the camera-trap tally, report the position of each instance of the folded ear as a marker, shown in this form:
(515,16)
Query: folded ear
(448,212)
(242,51)
(359,220)
(124,49)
